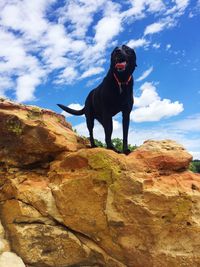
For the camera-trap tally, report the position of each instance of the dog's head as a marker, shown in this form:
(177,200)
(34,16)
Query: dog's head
(123,61)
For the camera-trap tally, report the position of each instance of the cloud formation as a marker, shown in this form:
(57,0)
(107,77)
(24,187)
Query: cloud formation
(39,38)
(150,107)
(91,72)
(154,28)
(135,43)
(145,74)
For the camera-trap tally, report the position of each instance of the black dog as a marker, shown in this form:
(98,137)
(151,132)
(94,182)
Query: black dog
(113,95)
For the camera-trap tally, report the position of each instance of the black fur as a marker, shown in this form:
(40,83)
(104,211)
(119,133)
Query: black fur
(113,95)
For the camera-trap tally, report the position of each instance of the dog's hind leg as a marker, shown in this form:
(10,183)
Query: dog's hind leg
(89,114)
(126,119)
(90,125)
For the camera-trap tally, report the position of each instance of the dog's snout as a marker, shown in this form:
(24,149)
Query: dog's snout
(119,55)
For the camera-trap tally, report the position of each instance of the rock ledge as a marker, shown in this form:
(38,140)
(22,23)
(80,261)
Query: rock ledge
(63,204)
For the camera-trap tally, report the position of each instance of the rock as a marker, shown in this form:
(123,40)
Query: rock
(30,134)
(164,155)
(4,245)
(94,207)
(1,231)
(10,259)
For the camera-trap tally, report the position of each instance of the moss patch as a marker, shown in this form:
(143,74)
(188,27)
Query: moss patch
(14,126)
(34,114)
(106,166)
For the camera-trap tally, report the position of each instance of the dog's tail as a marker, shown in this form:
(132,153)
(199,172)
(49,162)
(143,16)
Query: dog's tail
(72,111)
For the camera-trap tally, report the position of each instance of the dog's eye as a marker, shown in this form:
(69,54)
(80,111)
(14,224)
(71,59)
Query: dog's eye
(128,51)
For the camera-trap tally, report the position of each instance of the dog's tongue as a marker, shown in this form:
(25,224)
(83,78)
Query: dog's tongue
(121,65)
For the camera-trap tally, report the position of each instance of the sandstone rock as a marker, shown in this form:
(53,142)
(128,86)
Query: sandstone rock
(1,231)
(4,245)
(93,207)
(10,259)
(164,155)
(30,134)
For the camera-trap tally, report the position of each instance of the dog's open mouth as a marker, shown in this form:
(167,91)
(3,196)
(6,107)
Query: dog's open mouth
(121,66)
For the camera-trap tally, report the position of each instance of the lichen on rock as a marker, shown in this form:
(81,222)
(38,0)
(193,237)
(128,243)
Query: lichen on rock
(64,204)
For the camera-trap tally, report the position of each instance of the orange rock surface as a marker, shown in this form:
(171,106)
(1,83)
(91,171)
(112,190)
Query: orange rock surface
(63,204)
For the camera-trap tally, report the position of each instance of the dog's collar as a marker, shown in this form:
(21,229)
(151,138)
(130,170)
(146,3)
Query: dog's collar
(121,83)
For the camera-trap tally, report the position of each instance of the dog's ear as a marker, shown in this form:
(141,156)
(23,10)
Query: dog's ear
(125,46)
(112,55)
(114,51)
(115,48)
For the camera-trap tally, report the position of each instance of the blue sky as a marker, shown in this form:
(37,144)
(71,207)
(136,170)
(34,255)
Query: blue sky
(57,51)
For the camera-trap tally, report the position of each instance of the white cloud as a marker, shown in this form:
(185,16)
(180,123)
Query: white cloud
(79,14)
(196,154)
(26,86)
(138,7)
(41,45)
(138,43)
(172,11)
(106,29)
(75,106)
(149,106)
(25,16)
(190,124)
(12,51)
(162,24)
(92,71)
(148,96)
(70,40)
(145,74)
(57,45)
(168,46)
(156,111)
(93,82)
(154,28)
(178,8)
(156,45)
(182,4)
(68,76)
(156,5)
(17,62)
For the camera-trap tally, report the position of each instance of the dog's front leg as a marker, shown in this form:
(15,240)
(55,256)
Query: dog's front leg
(108,128)
(125,122)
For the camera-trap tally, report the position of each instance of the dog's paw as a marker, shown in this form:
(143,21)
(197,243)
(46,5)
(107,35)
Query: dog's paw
(127,151)
(114,149)
(93,146)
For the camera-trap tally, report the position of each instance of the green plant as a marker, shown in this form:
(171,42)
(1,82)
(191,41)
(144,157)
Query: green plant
(195,166)
(99,143)
(117,143)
